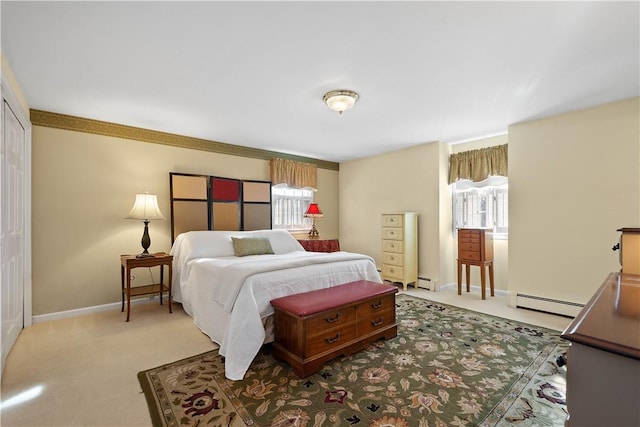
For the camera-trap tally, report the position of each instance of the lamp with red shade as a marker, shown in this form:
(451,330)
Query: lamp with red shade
(313,212)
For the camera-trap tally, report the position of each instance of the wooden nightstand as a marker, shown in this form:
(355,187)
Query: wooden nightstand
(317,245)
(129,262)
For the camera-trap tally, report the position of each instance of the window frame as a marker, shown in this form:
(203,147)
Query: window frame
(494,193)
(298,199)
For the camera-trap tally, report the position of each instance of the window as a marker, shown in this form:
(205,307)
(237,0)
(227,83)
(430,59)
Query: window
(289,206)
(483,204)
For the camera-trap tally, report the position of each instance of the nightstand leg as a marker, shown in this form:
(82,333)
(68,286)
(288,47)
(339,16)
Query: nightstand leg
(170,285)
(122,286)
(128,293)
(161,282)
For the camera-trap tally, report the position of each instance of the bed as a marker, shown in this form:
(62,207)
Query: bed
(229,296)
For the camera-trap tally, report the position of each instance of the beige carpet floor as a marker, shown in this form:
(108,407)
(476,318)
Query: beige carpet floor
(82,371)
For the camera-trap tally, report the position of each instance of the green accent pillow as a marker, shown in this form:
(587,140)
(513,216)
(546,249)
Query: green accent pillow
(251,246)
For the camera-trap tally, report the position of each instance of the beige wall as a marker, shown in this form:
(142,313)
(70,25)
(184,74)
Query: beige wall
(83,187)
(573,180)
(500,247)
(407,180)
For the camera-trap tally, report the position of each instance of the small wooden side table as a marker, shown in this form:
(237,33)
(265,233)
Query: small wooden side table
(319,245)
(475,247)
(483,280)
(129,262)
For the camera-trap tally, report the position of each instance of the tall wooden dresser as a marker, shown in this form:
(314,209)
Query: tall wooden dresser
(475,247)
(400,248)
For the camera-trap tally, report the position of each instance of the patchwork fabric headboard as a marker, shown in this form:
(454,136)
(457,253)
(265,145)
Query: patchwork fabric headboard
(206,202)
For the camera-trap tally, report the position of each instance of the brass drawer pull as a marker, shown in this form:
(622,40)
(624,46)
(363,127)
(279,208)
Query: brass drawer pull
(332,319)
(377,304)
(377,322)
(332,340)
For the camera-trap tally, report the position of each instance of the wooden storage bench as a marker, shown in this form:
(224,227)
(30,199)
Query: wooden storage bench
(314,327)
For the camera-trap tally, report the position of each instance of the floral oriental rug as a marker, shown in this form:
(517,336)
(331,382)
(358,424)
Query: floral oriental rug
(447,367)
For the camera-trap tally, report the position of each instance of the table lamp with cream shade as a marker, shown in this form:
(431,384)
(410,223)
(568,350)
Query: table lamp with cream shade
(313,212)
(145,208)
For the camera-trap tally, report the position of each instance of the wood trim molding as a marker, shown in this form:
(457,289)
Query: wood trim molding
(79,124)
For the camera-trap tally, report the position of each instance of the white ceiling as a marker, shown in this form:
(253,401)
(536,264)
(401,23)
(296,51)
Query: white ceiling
(254,73)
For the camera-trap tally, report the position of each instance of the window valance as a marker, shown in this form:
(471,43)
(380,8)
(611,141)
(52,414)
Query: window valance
(294,174)
(478,165)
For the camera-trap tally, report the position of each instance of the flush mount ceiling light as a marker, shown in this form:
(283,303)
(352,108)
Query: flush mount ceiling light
(340,100)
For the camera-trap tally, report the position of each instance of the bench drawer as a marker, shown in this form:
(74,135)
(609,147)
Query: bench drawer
(330,339)
(330,319)
(376,321)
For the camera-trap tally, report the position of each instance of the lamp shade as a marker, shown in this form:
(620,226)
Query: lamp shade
(340,100)
(145,208)
(313,211)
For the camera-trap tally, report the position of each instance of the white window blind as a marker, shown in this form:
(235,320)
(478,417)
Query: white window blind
(483,204)
(289,206)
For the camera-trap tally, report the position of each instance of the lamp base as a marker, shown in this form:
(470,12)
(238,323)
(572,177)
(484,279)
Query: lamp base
(313,233)
(144,255)
(146,241)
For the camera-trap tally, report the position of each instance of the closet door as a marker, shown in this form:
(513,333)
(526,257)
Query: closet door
(12,236)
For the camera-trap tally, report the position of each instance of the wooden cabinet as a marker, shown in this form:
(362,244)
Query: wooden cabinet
(320,245)
(129,262)
(314,327)
(400,248)
(603,361)
(475,247)
(630,250)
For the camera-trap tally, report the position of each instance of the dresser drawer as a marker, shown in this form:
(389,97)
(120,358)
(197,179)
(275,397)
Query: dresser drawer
(392,258)
(392,220)
(391,233)
(469,232)
(469,246)
(392,271)
(328,339)
(469,238)
(392,246)
(470,255)
(330,319)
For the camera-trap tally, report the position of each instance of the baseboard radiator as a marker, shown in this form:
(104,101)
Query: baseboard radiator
(563,308)
(428,284)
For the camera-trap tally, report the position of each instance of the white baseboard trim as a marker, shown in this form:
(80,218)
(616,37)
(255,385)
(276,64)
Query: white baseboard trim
(40,318)
(563,308)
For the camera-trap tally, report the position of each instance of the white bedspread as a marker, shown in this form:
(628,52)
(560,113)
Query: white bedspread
(230,306)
